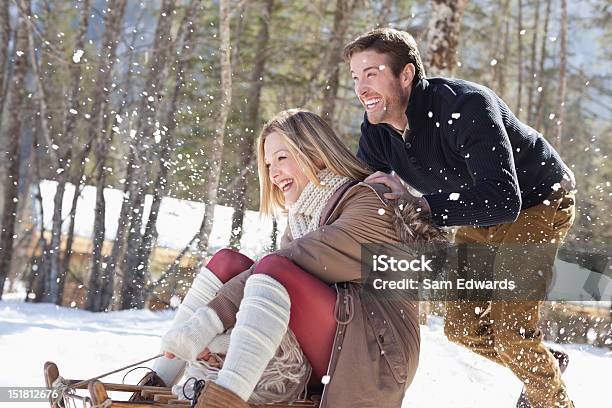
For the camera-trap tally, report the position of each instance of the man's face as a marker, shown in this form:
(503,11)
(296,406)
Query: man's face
(383,95)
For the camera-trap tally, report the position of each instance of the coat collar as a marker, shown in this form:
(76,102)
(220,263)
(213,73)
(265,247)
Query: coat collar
(415,112)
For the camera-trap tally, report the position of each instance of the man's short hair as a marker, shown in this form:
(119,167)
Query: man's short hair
(399,46)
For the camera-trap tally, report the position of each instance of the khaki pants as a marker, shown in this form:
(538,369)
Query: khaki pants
(508,333)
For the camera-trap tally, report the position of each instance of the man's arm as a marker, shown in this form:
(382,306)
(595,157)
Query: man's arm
(481,138)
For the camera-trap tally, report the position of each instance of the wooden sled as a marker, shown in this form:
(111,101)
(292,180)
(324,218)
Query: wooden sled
(98,394)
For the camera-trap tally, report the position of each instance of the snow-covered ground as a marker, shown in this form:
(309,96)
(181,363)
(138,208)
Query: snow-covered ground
(85,344)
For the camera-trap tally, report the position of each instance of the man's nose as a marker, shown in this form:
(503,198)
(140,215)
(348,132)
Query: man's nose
(360,89)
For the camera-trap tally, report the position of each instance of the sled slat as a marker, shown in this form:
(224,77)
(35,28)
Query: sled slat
(51,374)
(124,404)
(162,397)
(98,392)
(124,387)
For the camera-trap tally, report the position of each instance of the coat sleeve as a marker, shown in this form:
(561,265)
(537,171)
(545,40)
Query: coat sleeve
(482,140)
(332,253)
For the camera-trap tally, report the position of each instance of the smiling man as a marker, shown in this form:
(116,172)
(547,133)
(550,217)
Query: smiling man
(477,167)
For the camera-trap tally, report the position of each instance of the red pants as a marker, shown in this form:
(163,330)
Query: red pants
(312,301)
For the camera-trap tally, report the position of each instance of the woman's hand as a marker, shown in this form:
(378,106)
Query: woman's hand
(188,339)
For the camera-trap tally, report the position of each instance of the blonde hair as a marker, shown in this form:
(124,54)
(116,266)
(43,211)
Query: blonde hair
(313,144)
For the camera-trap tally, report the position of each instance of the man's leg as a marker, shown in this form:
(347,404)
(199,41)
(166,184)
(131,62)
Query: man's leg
(467,322)
(518,342)
(466,325)
(517,337)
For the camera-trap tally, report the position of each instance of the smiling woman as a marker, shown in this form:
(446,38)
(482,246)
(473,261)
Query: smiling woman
(292,148)
(306,171)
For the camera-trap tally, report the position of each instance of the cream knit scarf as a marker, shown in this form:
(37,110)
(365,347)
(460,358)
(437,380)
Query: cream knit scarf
(305,214)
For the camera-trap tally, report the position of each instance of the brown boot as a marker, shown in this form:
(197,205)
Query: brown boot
(151,380)
(215,396)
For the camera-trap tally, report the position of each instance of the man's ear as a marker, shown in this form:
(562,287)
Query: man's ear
(407,75)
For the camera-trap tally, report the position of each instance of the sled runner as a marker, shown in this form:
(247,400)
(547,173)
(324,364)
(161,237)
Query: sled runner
(65,395)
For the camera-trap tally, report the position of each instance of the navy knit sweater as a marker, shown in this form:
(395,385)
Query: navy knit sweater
(473,160)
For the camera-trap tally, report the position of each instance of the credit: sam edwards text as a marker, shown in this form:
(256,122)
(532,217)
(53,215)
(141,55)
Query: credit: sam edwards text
(460,283)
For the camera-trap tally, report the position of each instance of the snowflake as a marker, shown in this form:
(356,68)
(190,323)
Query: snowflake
(76,57)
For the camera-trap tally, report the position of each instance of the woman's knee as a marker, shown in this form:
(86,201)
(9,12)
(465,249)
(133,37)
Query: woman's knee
(227,263)
(275,266)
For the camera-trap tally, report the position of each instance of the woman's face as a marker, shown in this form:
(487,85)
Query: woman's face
(283,169)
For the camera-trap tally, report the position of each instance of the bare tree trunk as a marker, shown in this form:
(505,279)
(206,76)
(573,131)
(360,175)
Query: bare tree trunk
(245,149)
(562,76)
(519,65)
(133,291)
(5,40)
(35,288)
(501,78)
(498,33)
(51,253)
(98,126)
(168,138)
(342,17)
(385,12)
(5,37)
(108,275)
(57,273)
(540,108)
(214,164)
(532,69)
(16,91)
(70,232)
(443,36)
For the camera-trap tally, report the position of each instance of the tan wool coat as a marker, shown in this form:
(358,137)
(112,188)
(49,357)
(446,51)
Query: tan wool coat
(376,346)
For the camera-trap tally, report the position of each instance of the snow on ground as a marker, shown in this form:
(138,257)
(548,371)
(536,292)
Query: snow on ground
(85,344)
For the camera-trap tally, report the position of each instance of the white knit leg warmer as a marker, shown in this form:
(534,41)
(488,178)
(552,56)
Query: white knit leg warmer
(203,289)
(261,323)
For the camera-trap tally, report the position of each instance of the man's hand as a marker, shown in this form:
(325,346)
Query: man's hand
(392,181)
(398,189)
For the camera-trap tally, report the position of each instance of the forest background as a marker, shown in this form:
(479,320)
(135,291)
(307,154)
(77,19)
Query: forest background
(165,98)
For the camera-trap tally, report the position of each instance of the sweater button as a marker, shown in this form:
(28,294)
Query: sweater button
(412,159)
(408,145)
